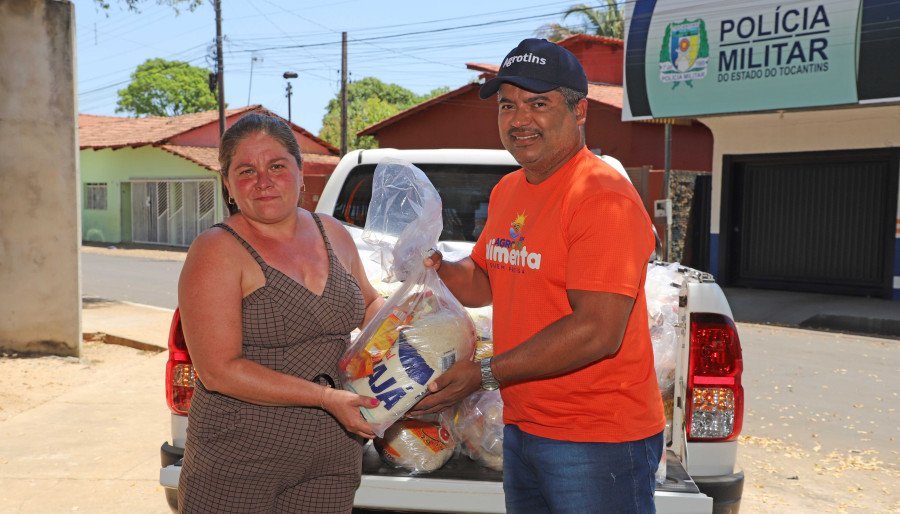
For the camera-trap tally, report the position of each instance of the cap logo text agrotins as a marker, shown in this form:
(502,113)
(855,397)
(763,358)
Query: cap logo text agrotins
(527,58)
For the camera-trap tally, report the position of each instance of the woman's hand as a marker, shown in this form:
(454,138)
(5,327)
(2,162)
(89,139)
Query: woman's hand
(344,406)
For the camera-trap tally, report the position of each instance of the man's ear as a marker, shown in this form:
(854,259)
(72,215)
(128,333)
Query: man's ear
(581,109)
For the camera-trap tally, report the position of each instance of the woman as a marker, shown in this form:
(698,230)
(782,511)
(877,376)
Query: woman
(268,300)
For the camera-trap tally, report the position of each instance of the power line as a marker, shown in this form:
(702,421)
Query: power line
(407,34)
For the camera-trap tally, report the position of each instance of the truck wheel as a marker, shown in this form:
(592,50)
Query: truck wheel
(172,498)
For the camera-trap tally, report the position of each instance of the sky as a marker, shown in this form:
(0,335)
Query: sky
(420,45)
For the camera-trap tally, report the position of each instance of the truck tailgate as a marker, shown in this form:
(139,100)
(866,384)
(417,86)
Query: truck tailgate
(460,486)
(464,486)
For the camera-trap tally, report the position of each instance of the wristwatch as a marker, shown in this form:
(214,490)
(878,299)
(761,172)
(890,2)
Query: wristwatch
(488,382)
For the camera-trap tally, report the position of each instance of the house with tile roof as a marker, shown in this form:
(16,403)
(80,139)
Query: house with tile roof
(460,119)
(156,180)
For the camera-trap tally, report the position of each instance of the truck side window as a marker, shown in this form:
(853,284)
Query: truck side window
(464,190)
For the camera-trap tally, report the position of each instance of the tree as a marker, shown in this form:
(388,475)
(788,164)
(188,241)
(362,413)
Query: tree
(368,101)
(166,88)
(607,22)
(134,5)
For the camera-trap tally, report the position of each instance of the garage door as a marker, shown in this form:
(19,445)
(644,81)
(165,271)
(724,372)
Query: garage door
(809,222)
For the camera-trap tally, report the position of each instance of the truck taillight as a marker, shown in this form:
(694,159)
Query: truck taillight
(180,376)
(716,410)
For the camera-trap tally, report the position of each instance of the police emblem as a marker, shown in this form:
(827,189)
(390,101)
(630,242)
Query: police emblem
(684,55)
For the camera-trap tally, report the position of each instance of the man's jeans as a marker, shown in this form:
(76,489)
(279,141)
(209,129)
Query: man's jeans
(545,475)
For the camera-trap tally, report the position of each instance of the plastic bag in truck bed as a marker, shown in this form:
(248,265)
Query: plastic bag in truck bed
(418,445)
(662,288)
(422,329)
(477,423)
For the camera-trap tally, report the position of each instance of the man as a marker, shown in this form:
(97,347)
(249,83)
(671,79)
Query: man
(563,258)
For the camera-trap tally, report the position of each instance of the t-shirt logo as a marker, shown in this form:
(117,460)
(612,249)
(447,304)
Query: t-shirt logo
(517,231)
(513,251)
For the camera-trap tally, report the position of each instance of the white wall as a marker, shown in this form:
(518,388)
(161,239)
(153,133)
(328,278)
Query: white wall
(40,288)
(834,129)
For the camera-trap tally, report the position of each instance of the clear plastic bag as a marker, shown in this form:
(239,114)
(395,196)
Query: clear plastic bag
(662,288)
(476,423)
(422,329)
(404,218)
(417,445)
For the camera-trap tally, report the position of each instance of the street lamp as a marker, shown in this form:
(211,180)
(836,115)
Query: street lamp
(289,75)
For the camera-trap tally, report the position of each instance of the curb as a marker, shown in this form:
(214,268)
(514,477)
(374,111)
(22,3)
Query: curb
(121,341)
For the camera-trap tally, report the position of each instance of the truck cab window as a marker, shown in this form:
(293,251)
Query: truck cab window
(464,190)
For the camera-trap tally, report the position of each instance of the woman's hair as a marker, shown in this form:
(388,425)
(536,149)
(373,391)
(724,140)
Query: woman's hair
(254,123)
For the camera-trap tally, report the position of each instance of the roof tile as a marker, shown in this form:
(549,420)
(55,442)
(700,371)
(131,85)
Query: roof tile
(115,132)
(208,157)
(118,132)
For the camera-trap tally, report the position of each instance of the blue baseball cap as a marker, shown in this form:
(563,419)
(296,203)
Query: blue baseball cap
(538,66)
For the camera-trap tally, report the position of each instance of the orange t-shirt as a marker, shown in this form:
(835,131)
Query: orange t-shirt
(583,228)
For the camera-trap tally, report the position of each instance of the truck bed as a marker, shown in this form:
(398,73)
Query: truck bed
(462,485)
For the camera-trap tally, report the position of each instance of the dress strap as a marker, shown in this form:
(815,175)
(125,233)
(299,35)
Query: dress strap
(259,260)
(324,235)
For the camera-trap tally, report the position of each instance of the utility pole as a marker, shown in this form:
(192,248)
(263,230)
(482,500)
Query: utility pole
(289,89)
(220,69)
(288,95)
(667,179)
(253,60)
(343,94)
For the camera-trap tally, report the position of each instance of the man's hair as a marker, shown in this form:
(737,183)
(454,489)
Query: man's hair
(571,96)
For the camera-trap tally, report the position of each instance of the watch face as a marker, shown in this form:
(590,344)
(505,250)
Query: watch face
(490,386)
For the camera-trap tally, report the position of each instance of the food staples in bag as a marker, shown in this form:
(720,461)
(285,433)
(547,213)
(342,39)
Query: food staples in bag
(483,319)
(420,351)
(361,364)
(417,445)
(421,330)
(476,423)
(663,287)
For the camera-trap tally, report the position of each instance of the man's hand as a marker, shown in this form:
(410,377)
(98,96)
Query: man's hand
(434,260)
(468,282)
(458,382)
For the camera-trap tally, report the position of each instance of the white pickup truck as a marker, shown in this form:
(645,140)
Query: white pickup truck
(705,409)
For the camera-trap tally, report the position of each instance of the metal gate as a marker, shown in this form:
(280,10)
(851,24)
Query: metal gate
(812,223)
(171,212)
(696,246)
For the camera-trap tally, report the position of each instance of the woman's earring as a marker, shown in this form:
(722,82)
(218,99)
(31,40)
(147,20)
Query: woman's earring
(303,187)
(230,200)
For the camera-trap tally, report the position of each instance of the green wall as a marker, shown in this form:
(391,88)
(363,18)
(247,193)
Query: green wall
(116,168)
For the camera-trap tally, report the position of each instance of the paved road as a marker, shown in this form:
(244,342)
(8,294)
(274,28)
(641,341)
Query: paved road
(821,425)
(149,281)
(836,391)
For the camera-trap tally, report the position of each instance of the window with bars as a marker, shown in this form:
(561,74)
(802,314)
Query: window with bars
(95,196)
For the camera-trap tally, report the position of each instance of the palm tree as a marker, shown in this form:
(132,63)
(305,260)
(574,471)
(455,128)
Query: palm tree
(606,22)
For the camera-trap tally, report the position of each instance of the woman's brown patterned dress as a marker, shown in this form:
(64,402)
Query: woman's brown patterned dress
(242,457)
